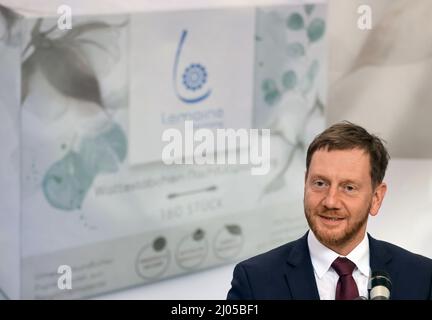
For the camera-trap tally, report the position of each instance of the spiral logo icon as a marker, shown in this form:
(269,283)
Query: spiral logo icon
(193,78)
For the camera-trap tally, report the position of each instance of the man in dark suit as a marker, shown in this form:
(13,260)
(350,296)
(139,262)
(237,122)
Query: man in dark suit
(345,168)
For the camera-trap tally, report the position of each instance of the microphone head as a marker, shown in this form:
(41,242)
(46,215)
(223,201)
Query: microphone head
(380,285)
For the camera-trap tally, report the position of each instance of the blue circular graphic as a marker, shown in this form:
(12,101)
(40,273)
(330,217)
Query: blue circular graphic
(194,77)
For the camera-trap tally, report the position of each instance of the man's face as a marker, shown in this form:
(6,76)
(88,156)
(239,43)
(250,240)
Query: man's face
(338,197)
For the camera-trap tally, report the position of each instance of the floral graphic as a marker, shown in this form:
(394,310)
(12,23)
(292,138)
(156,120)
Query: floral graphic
(68,60)
(63,60)
(194,77)
(288,69)
(67,181)
(8,20)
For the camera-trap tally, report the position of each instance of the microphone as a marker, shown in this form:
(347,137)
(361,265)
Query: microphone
(380,286)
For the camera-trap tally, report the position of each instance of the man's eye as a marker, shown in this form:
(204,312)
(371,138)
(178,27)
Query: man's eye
(349,188)
(319,183)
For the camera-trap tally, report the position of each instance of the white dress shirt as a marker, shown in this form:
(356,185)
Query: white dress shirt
(327,278)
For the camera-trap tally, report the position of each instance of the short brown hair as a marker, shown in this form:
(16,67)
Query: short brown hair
(345,136)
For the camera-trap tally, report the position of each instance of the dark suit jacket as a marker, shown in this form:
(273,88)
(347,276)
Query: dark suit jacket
(287,273)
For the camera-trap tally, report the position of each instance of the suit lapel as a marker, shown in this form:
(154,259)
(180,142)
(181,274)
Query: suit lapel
(379,256)
(300,274)
(380,260)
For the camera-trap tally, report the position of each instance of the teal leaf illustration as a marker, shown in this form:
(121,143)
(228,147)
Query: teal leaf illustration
(289,80)
(271,92)
(116,139)
(316,29)
(198,235)
(295,50)
(159,244)
(234,229)
(101,154)
(272,97)
(295,22)
(66,182)
(309,8)
(268,85)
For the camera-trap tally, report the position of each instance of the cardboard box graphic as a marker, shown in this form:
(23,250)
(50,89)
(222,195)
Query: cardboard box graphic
(82,113)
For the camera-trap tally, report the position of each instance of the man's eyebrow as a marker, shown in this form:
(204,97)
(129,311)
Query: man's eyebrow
(350,181)
(319,176)
(344,181)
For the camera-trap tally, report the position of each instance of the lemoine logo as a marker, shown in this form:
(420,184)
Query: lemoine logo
(193,79)
(219,147)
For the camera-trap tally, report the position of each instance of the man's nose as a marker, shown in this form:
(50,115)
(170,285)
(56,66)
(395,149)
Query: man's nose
(331,200)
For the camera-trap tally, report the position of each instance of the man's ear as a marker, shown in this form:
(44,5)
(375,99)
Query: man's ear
(378,198)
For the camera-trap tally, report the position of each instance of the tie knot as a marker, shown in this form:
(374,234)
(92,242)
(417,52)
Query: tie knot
(343,266)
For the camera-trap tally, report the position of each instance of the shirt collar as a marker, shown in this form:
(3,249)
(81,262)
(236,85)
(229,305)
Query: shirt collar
(322,257)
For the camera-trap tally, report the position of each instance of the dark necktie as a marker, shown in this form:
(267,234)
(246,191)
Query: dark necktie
(346,288)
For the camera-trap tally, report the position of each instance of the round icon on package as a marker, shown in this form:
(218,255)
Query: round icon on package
(228,242)
(153,259)
(192,250)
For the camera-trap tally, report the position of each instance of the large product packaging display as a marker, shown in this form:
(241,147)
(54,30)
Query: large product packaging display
(82,113)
